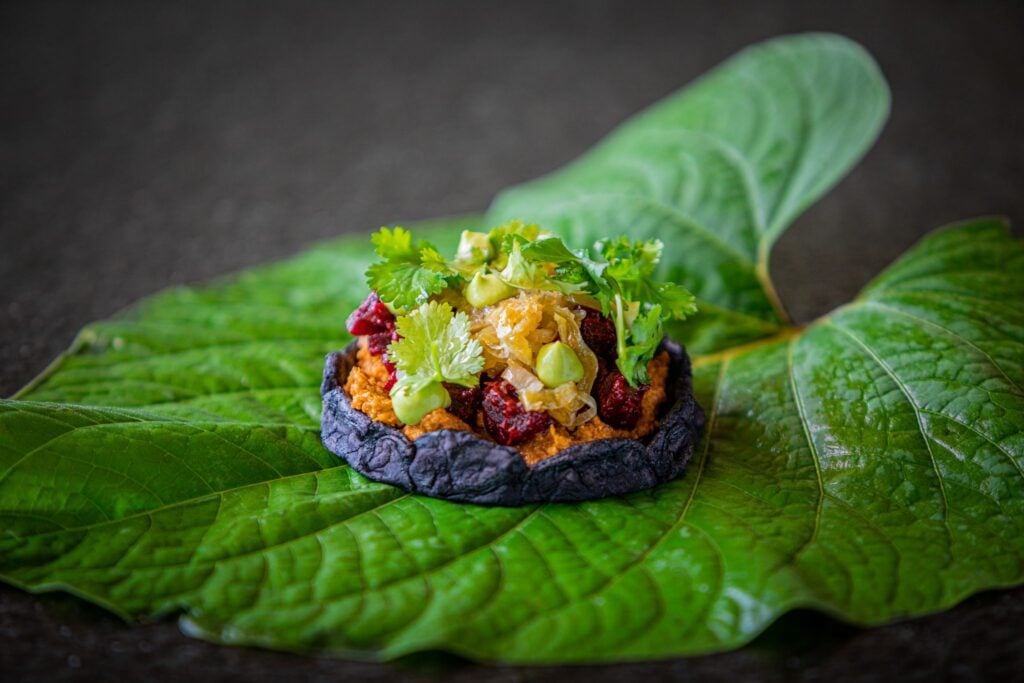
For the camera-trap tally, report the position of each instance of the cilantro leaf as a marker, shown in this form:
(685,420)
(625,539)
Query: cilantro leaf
(550,250)
(435,346)
(526,272)
(394,244)
(644,336)
(522,272)
(410,272)
(636,301)
(432,259)
(633,262)
(677,300)
(572,267)
(404,285)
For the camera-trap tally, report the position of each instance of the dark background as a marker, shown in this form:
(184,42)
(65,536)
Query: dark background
(145,145)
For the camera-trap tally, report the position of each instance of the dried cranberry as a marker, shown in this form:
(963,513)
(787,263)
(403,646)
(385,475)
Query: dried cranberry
(599,333)
(618,404)
(372,317)
(465,402)
(378,343)
(505,417)
(392,373)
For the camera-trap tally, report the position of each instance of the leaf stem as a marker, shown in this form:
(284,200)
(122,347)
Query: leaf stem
(620,323)
(761,269)
(785,334)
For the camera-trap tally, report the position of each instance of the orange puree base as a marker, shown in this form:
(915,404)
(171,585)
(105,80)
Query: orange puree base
(365,387)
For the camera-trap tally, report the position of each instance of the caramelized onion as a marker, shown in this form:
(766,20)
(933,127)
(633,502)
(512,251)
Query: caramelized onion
(511,332)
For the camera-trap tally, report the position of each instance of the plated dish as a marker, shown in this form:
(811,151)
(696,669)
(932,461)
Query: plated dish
(520,370)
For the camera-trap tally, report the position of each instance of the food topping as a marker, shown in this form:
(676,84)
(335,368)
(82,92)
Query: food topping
(378,343)
(392,371)
(557,364)
(514,329)
(409,273)
(434,346)
(507,421)
(465,402)
(412,401)
(599,333)
(618,404)
(365,386)
(371,318)
(518,335)
(486,289)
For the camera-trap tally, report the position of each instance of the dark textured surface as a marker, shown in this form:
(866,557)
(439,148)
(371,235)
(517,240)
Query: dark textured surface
(462,466)
(144,145)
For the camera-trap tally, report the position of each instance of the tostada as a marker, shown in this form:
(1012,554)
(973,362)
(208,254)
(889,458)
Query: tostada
(519,371)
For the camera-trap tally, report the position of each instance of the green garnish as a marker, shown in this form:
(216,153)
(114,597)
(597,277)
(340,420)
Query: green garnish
(620,274)
(622,279)
(435,346)
(638,346)
(409,273)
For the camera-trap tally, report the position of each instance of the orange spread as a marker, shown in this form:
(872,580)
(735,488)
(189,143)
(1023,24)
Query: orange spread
(365,386)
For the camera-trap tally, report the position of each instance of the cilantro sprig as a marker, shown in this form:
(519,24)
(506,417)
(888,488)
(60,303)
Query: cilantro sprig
(435,345)
(410,272)
(621,276)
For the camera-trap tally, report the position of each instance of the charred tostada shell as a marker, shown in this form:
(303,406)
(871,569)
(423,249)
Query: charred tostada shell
(464,467)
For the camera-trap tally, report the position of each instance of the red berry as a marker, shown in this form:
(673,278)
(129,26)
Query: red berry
(599,333)
(372,317)
(378,343)
(392,373)
(618,404)
(507,421)
(465,402)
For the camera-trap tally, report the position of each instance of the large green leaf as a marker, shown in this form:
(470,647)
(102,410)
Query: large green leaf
(718,171)
(869,464)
